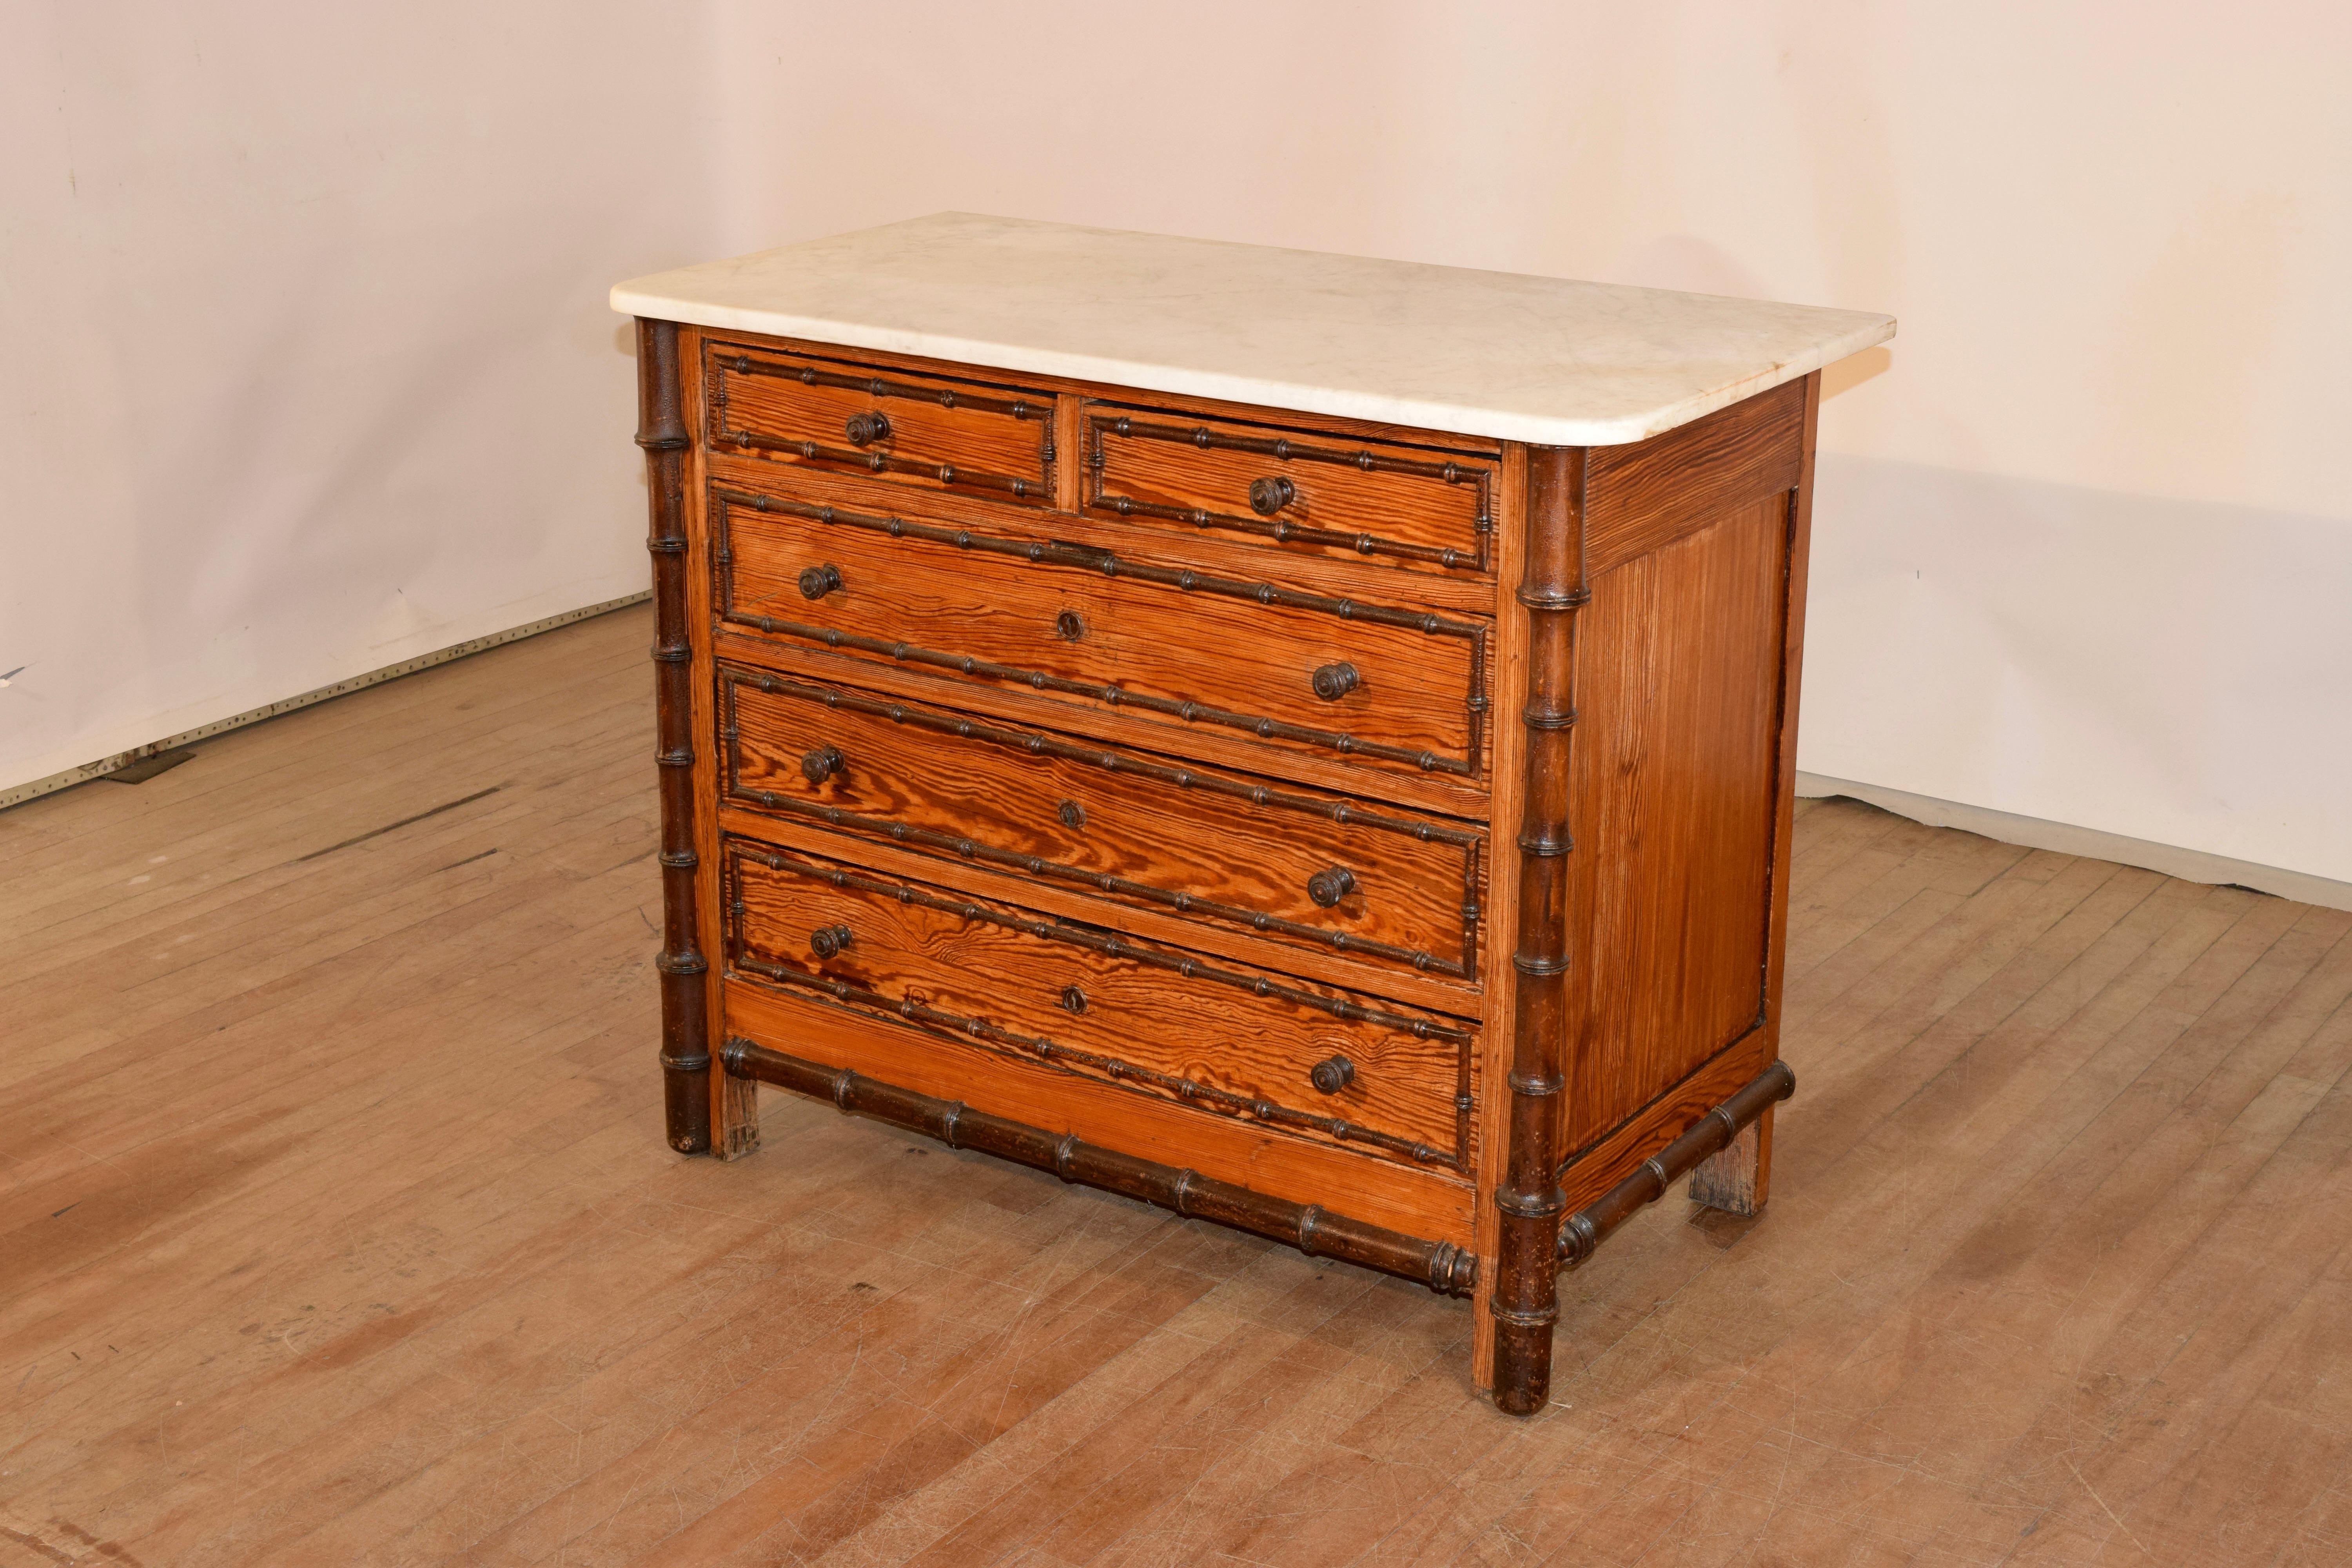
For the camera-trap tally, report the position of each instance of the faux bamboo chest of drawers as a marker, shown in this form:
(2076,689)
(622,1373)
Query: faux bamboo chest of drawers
(1301,742)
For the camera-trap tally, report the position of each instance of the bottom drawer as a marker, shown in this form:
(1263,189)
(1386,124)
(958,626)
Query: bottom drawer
(1310,1061)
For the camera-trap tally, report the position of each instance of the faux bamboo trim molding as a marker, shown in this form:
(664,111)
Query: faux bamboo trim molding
(1553,587)
(686,1038)
(742,957)
(1286,450)
(1086,557)
(726,358)
(1110,945)
(1588,1227)
(1444,1267)
(1039,406)
(1058,553)
(1343,812)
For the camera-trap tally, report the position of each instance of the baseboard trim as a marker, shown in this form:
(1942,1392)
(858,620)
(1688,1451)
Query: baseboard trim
(2190,864)
(16,795)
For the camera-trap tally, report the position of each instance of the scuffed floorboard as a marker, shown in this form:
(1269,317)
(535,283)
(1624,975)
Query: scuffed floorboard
(336,1227)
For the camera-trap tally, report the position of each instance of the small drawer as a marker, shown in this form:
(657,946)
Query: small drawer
(1373,500)
(1224,1039)
(1385,888)
(966,438)
(1372,682)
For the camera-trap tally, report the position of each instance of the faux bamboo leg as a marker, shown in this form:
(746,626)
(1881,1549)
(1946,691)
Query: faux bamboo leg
(1526,1302)
(686,1035)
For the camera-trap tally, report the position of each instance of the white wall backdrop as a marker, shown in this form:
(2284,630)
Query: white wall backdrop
(324,379)
(2083,544)
(308,367)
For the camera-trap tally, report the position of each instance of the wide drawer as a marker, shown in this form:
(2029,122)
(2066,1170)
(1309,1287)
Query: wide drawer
(926,432)
(1301,868)
(1373,682)
(1411,506)
(1228,1041)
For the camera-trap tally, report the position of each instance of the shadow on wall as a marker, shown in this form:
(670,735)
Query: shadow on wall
(1855,369)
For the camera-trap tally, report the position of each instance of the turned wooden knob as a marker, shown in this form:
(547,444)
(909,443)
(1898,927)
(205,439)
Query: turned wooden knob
(1332,1075)
(864,429)
(1334,681)
(822,763)
(1269,496)
(816,581)
(1327,887)
(827,940)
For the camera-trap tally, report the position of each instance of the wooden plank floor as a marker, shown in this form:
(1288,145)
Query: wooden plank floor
(339,1228)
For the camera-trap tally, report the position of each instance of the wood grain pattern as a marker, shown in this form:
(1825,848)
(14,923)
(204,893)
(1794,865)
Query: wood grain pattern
(1419,1200)
(1150,923)
(1214,409)
(1498,1025)
(1443,793)
(1627,973)
(1313,1229)
(2055,1267)
(1068,477)
(1609,1159)
(1010,611)
(962,434)
(1678,685)
(1130,829)
(1650,493)
(734,1104)
(1714,1131)
(1210,1037)
(1170,469)
(1225,555)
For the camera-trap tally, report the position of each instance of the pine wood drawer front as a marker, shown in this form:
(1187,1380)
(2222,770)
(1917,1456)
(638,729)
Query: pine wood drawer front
(1408,506)
(1299,868)
(969,437)
(1375,682)
(1311,1062)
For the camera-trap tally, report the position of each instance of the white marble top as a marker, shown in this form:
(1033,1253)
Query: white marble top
(1543,359)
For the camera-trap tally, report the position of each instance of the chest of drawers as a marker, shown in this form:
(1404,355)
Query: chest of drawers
(1105,724)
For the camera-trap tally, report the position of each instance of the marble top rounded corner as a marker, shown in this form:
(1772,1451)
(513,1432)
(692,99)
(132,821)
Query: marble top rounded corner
(1547,361)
